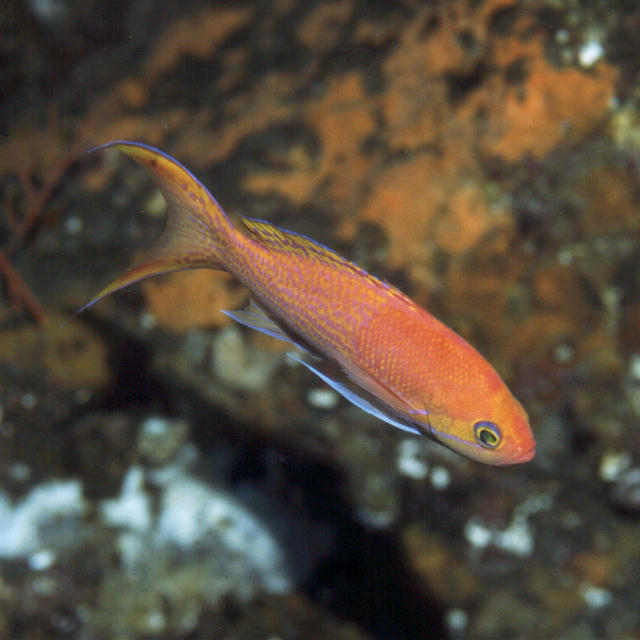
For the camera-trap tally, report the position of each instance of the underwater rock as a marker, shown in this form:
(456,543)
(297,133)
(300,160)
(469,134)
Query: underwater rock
(160,439)
(625,491)
(40,520)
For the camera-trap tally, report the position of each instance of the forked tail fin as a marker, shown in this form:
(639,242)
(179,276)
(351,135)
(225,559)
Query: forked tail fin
(197,228)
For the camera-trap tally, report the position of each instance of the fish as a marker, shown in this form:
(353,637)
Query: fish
(359,334)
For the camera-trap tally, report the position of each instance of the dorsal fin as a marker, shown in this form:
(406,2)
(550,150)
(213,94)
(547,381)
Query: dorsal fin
(290,242)
(277,239)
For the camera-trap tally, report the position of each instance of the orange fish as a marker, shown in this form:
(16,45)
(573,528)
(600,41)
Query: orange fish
(395,360)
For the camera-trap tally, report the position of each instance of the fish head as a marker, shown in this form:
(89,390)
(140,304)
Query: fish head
(493,430)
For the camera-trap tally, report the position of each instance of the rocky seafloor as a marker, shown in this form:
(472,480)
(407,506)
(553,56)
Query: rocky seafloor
(166,473)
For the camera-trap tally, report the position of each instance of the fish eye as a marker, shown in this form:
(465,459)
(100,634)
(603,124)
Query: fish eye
(487,434)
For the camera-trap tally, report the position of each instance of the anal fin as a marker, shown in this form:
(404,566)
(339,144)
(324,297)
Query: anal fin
(254,317)
(358,400)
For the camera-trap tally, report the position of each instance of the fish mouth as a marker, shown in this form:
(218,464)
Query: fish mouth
(528,455)
(520,456)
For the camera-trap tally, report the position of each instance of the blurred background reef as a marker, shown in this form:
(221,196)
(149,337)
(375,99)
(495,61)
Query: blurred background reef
(165,473)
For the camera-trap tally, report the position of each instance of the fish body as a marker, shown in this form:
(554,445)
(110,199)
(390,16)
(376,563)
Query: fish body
(399,362)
